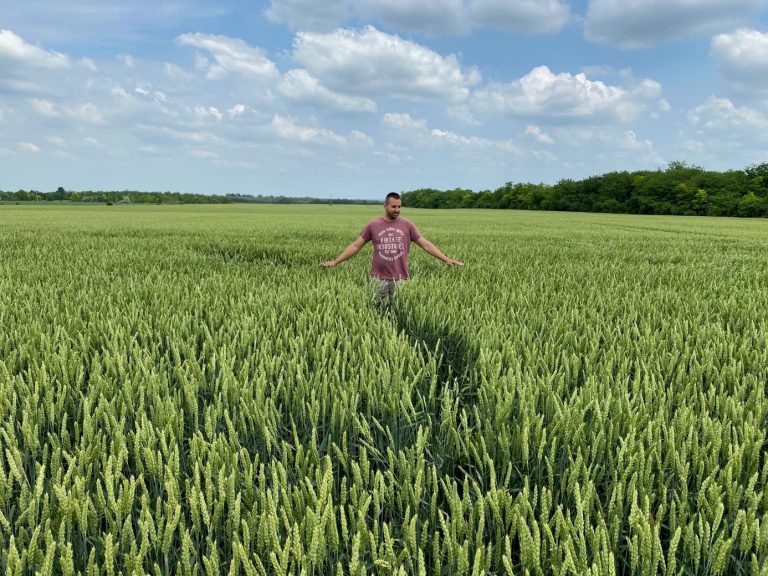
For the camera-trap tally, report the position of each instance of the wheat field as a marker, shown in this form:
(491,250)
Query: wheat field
(183,390)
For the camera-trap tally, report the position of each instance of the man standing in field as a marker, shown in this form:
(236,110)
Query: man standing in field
(391,236)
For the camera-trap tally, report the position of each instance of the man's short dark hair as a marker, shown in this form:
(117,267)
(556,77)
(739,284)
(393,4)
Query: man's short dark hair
(394,195)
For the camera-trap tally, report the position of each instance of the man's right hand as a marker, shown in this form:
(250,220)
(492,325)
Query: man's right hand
(329,264)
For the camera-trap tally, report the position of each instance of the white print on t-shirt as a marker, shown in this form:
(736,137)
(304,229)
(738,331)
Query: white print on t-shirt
(390,243)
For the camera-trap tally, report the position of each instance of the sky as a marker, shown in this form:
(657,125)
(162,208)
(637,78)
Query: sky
(357,98)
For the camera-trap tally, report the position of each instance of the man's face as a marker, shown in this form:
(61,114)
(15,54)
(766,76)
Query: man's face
(392,208)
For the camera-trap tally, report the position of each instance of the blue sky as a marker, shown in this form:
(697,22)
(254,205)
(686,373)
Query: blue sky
(356,98)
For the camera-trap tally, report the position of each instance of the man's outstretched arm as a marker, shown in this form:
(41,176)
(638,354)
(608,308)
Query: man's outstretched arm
(347,253)
(433,250)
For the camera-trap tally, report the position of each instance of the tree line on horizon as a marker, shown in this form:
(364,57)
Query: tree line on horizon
(138,197)
(111,197)
(679,189)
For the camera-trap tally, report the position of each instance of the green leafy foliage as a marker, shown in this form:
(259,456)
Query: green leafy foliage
(680,189)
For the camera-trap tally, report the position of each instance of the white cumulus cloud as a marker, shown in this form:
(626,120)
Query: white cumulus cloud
(743,57)
(232,55)
(44,107)
(450,138)
(237,110)
(87,112)
(88,64)
(126,60)
(300,86)
(538,134)
(724,135)
(606,147)
(29,147)
(13,48)
(182,134)
(208,113)
(630,141)
(641,23)
(719,116)
(400,121)
(288,129)
(541,93)
(416,133)
(371,63)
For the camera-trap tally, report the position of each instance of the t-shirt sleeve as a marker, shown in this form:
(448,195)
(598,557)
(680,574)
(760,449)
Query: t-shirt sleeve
(366,234)
(414,232)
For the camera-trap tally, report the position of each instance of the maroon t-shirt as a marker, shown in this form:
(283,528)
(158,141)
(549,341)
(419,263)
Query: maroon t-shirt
(391,241)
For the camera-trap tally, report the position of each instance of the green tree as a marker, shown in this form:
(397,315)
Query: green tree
(751,205)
